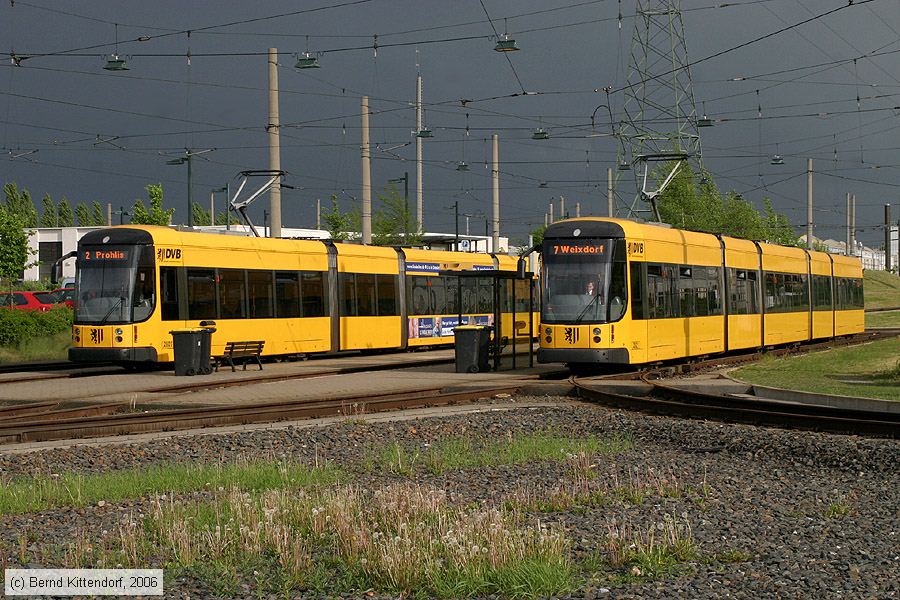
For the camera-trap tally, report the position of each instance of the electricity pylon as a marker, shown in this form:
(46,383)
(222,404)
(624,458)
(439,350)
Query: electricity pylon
(660,126)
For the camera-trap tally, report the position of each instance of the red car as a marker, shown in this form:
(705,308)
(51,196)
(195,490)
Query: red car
(42,301)
(65,296)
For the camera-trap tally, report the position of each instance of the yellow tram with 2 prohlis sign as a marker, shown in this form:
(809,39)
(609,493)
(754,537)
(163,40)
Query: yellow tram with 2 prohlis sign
(136,284)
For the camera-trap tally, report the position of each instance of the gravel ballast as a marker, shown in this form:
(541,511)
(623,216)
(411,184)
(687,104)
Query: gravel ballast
(770,501)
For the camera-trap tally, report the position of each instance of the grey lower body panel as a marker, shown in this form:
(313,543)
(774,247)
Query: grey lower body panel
(112,354)
(584,355)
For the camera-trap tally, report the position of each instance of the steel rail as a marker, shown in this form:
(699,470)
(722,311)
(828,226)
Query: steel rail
(673,401)
(265,412)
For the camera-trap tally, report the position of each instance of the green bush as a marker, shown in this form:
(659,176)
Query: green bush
(16,326)
(43,285)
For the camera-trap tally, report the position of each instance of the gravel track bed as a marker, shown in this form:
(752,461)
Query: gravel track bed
(769,499)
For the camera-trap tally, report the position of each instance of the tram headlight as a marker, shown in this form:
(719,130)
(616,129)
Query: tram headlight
(118,331)
(119,339)
(547,331)
(596,331)
(596,339)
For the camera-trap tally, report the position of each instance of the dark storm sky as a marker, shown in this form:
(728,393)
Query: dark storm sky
(804,81)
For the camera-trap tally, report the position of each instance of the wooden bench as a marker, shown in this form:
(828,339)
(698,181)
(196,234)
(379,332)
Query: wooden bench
(243,351)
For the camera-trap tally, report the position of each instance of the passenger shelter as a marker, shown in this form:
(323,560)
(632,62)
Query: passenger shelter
(509,297)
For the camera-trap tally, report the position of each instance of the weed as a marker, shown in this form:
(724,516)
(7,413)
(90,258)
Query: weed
(398,539)
(837,510)
(732,556)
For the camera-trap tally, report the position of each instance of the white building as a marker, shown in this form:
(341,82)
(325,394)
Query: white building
(871,259)
(50,243)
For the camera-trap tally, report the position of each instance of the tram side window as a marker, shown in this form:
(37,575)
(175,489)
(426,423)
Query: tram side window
(485,295)
(743,291)
(522,286)
(713,281)
(686,292)
(451,293)
(774,292)
(418,296)
(850,294)
(753,290)
(821,292)
(637,291)
(287,294)
(841,302)
(312,290)
(201,294)
(858,298)
(797,292)
(387,295)
(168,290)
(232,294)
(347,290)
(259,288)
(661,298)
(469,295)
(365,295)
(438,291)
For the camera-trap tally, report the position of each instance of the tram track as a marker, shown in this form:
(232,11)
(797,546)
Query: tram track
(659,396)
(674,401)
(38,427)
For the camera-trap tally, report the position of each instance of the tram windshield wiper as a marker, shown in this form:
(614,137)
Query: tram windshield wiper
(594,300)
(112,308)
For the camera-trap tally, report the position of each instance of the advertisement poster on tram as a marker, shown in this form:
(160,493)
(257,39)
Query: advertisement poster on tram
(431,327)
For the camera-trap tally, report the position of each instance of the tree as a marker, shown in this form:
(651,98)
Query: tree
(49,214)
(65,217)
(83,215)
(537,234)
(199,216)
(156,215)
(226,219)
(14,249)
(741,220)
(393,224)
(21,204)
(98,215)
(687,205)
(338,224)
(778,229)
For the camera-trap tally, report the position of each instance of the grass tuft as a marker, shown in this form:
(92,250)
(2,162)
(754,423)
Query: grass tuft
(40,493)
(401,539)
(460,453)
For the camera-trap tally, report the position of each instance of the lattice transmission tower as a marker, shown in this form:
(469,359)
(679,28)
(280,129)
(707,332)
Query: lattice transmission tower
(659,134)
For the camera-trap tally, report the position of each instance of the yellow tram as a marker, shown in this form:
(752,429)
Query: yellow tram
(618,291)
(135,284)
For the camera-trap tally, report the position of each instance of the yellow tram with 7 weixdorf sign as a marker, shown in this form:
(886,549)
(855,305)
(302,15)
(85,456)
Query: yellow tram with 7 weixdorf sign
(138,283)
(618,291)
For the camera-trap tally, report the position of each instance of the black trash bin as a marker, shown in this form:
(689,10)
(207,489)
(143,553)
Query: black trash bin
(472,344)
(192,351)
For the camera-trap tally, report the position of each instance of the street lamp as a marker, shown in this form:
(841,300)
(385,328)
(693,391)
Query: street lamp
(212,204)
(405,180)
(455,208)
(122,214)
(187,158)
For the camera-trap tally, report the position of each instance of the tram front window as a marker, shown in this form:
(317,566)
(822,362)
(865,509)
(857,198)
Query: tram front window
(115,284)
(583,281)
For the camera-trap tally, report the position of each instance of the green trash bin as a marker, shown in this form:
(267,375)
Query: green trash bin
(192,351)
(472,344)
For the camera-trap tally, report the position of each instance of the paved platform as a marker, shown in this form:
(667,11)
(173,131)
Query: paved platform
(302,380)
